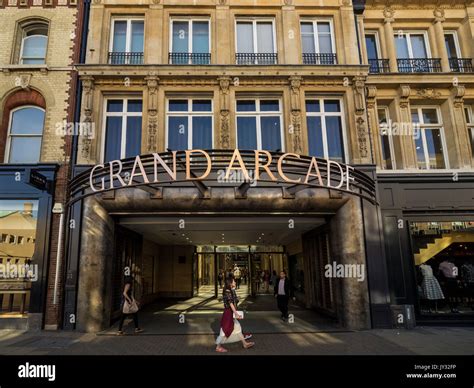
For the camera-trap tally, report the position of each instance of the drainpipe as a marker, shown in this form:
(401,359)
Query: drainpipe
(58,253)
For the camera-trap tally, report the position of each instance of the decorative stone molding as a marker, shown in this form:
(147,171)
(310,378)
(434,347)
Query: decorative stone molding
(428,93)
(295,102)
(295,85)
(23,80)
(458,94)
(388,14)
(296,131)
(371,95)
(404,93)
(152,82)
(362,135)
(358,86)
(88,99)
(439,15)
(224,88)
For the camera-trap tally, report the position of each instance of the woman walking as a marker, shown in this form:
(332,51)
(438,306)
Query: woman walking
(231,331)
(129,306)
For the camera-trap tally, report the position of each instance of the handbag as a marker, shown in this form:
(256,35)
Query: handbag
(130,308)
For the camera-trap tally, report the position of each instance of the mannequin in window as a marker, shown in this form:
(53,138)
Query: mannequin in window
(431,290)
(448,273)
(467,275)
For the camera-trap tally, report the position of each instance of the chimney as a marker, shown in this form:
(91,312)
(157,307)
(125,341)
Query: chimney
(28,208)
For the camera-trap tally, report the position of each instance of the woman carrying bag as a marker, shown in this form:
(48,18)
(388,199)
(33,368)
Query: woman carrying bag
(129,306)
(231,331)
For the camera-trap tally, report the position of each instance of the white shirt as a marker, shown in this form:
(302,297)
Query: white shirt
(281,287)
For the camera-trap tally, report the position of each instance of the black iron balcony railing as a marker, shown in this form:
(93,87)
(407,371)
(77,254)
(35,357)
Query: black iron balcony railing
(189,58)
(118,58)
(256,59)
(419,65)
(319,59)
(379,66)
(461,65)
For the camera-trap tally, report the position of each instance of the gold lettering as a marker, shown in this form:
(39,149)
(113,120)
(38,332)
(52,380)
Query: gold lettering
(280,168)
(142,172)
(329,174)
(238,157)
(171,173)
(188,164)
(264,166)
(314,164)
(117,174)
(91,180)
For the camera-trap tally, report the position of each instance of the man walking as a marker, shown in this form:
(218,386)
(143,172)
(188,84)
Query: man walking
(237,276)
(282,293)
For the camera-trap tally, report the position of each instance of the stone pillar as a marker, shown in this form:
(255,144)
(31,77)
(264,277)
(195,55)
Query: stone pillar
(351,51)
(295,101)
(85,143)
(96,52)
(152,112)
(409,159)
(154,44)
(290,35)
(224,117)
(362,152)
(389,38)
(373,124)
(348,247)
(224,51)
(460,126)
(440,44)
(95,269)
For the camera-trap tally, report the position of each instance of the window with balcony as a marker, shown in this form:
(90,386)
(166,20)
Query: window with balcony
(429,138)
(469,111)
(456,62)
(259,124)
(126,45)
(189,124)
(25,135)
(123,128)
(190,42)
(325,123)
(413,54)
(386,139)
(376,63)
(34,43)
(255,42)
(317,41)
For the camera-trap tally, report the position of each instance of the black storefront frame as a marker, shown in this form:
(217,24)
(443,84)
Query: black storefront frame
(444,217)
(12,189)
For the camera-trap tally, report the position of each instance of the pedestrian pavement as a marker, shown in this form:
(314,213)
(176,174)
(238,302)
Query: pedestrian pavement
(418,341)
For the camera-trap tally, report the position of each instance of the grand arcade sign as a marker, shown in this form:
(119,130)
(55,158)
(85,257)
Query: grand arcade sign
(210,168)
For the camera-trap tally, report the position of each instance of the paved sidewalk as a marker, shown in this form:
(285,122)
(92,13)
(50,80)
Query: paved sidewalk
(421,341)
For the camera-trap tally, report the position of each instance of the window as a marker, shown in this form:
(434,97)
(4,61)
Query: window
(190,42)
(123,128)
(386,139)
(324,119)
(34,41)
(469,111)
(255,42)
(372,44)
(126,45)
(317,39)
(429,139)
(413,53)
(452,45)
(259,124)
(189,124)
(25,133)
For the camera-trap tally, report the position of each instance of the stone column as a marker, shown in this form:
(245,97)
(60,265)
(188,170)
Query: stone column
(348,248)
(373,124)
(290,35)
(224,117)
(96,51)
(460,126)
(223,52)
(152,111)
(351,54)
(389,38)
(409,159)
(154,33)
(95,269)
(363,151)
(440,44)
(295,101)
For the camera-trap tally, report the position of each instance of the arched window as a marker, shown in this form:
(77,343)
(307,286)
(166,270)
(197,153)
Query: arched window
(25,133)
(34,42)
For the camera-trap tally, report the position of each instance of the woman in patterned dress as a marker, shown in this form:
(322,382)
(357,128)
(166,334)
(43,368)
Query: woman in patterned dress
(231,331)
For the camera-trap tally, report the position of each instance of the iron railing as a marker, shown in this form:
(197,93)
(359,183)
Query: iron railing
(379,66)
(256,59)
(461,65)
(319,59)
(189,58)
(419,65)
(119,58)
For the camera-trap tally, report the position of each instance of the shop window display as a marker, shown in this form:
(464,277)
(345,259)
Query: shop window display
(444,261)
